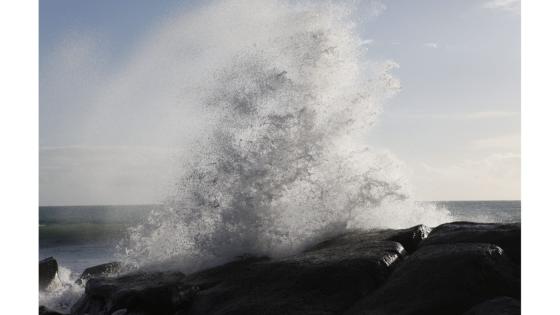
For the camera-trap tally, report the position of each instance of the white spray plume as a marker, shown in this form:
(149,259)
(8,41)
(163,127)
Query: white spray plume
(283,91)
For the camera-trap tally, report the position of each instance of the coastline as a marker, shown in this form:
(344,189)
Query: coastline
(454,268)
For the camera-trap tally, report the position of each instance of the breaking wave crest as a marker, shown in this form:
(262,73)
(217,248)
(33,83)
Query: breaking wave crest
(280,162)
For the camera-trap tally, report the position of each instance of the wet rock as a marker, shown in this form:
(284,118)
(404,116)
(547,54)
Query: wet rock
(43,310)
(456,268)
(507,236)
(410,238)
(324,280)
(503,305)
(100,270)
(136,293)
(444,279)
(48,268)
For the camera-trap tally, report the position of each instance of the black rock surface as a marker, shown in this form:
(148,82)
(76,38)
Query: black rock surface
(48,268)
(43,310)
(325,280)
(507,236)
(503,305)
(462,269)
(100,270)
(410,238)
(136,293)
(444,279)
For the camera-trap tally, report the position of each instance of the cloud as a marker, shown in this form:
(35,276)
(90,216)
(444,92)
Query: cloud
(506,142)
(72,175)
(513,6)
(431,45)
(470,115)
(491,114)
(495,176)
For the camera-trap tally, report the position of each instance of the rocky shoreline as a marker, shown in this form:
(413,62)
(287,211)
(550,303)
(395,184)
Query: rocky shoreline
(455,268)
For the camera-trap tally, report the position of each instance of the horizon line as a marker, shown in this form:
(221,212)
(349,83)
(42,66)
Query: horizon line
(159,204)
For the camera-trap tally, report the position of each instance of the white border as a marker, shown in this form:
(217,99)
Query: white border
(540,156)
(19,162)
(19,156)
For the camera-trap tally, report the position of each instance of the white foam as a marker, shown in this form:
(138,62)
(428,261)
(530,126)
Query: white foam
(62,292)
(284,92)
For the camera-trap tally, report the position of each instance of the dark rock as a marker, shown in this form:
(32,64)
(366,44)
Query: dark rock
(460,267)
(48,268)
(136,293)
(444,279)
(503,305)
(100,270)
(43,310)
(410,238)
(507,236)
(324,280)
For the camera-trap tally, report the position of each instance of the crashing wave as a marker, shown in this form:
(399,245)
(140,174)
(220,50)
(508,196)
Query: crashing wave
(281,162)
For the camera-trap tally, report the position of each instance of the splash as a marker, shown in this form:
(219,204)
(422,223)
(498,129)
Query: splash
(279,163)
(63,291)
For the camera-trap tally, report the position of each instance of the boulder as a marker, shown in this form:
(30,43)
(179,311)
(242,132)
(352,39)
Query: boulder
(503,305)
(444,279)
(136,293)
(48,268)
(410,238)
(507,236)
(458,267)
(326,279)
(99,270)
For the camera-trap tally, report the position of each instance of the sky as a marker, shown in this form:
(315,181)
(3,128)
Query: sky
(455,124)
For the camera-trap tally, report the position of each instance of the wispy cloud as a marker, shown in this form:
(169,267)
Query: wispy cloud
(431,45)
(491,114)
(469,116)
(505,5)
(510,142)
(494,176)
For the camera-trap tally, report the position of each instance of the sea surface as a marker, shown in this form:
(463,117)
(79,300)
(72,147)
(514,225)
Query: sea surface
(83,236)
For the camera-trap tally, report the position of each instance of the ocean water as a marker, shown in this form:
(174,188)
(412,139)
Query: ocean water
(484,211)
(83,236)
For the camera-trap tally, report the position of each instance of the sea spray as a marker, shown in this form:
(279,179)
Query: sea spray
(279,163)
(63,291)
